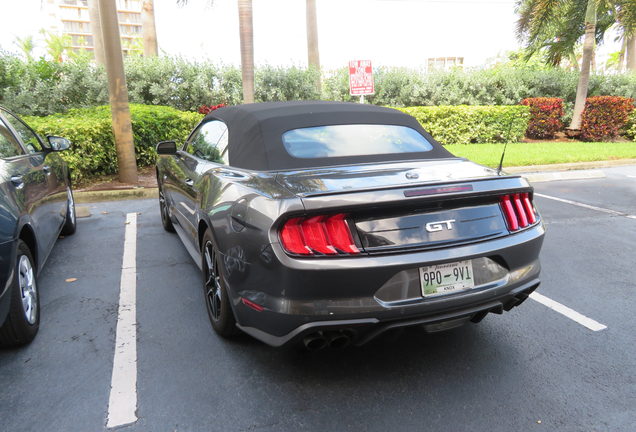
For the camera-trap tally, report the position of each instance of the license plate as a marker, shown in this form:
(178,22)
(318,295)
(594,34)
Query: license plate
(447,278)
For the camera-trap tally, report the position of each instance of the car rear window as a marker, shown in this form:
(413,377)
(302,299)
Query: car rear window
(353,140)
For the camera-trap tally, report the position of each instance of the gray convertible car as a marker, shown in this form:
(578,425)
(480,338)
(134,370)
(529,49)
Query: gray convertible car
(329,223)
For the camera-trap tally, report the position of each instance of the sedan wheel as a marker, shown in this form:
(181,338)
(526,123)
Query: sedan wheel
(216,296)
(70,223)
(23,321)
(165,216)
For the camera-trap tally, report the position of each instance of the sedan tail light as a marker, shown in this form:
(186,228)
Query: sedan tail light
(324,235)
(518,210)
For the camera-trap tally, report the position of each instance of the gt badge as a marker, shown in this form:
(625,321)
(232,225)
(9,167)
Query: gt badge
(438,226)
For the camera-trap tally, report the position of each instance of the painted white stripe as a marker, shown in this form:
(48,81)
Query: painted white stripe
(564,310)
(587,206)
(122,405)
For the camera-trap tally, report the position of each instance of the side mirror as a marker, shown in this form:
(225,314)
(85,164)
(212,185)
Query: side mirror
(167,148)
(58,143)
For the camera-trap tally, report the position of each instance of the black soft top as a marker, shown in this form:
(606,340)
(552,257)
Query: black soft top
(256,131)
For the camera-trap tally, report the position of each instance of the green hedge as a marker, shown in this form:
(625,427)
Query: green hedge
(90,131)
(473,124)
(630,129)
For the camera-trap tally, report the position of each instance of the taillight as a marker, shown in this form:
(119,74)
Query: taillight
(324,235)
(518,210)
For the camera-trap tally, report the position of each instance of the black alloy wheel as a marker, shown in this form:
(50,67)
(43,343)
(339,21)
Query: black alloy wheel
(165,216)
(216,296)
(23,321)
(70,223)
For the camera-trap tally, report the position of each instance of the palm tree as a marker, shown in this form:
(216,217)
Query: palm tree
(26,45)
(555,25)
(312,37)
(246,33)
(57,46)
(96,26)
(626,17)
(148,29)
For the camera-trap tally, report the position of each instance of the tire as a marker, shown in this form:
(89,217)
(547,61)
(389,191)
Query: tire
(216,296)
(165,215)
(70,223)
(23,321)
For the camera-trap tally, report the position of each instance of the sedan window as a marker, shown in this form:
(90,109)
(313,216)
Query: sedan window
(354,140)
(209,142)
(29,138)
(8,144)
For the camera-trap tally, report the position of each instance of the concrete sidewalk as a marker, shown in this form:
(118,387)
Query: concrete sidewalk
(536,174)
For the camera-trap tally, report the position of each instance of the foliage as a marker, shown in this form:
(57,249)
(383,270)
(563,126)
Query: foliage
(630,128)
(273,84)
(545,117)
(90,130)
(604,117)
(206,109)
(472,124)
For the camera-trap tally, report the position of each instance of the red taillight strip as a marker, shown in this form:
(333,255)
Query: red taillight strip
(509,212)
(521,214)
(326,235)
(525,199)
(518,210)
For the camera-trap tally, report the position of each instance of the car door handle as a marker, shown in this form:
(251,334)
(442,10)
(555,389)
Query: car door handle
(189,182)
(46,169)
(17,181)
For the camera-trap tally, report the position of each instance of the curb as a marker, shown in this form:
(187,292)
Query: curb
(115,195)
(570,166)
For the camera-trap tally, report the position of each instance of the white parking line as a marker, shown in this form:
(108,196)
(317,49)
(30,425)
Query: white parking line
(564,310)
(122,405)
(587,206)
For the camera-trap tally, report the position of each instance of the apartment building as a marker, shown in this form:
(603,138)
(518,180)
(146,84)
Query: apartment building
(71,17)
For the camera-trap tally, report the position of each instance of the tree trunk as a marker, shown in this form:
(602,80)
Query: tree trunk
(119,108)
(148,29)
(584,75)
(247,49)
(631,54)
(574,60)
(312,38)
(621,57)
(96,28)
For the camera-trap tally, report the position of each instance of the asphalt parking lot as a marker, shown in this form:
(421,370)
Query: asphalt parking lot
(534,368)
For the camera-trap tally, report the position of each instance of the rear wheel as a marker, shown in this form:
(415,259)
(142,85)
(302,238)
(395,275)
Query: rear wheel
(216,296)
(23,321)
(165,216)
(70,223)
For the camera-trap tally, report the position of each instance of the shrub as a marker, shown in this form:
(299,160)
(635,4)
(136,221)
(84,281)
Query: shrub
(545,117)
(206,109)
(630,128)
(472,124)
(90,131)
(604,117)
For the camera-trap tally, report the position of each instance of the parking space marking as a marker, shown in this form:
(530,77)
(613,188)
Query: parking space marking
(587,206)
(572,314)
(122,404)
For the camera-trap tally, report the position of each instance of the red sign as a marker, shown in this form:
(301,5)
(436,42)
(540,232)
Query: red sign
(361,77)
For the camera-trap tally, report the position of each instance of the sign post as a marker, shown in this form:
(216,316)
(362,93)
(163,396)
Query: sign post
(361,78)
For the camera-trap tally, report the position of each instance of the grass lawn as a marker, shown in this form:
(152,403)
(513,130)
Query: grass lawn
(526,154)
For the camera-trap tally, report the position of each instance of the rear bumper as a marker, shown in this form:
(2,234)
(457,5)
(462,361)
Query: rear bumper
(361,331)
(299,297)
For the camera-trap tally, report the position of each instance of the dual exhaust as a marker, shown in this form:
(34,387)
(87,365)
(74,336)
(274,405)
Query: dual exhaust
(320,340)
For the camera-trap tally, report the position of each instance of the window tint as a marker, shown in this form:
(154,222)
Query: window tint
(209,142)
(353,140)
(8,144)
(29,139)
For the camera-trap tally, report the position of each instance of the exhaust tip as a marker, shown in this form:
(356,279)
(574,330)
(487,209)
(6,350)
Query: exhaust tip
(337,339)
(315,341)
